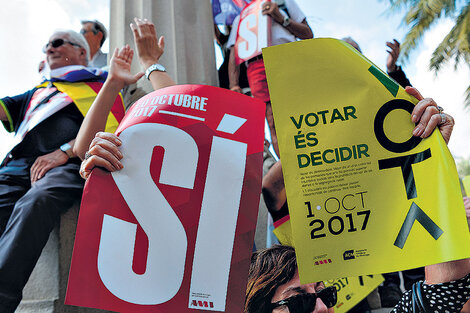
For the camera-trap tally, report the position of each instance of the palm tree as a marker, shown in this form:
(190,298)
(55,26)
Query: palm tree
(422,14)
(463,167)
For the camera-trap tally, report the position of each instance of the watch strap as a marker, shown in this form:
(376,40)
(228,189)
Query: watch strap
(67,149)
(286,21)
(154,67)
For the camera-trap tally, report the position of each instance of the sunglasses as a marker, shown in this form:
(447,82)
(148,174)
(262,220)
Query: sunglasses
(57,43)
(305,303)
(84,31)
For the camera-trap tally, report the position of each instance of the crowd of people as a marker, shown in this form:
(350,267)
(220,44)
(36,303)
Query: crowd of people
(61,135)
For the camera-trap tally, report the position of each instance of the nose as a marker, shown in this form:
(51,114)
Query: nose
(320,307)
(48,49)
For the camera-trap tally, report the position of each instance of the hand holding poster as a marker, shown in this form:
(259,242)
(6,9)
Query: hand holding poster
(362,191)
(173,230)
(254,32)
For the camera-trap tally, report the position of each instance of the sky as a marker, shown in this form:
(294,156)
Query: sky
(27,25)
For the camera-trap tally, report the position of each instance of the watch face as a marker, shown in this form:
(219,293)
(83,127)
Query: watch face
(160,67)
(286,21)
(65,147)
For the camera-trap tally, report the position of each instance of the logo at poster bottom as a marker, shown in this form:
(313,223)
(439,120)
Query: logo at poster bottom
(326,261)
(348,255)
(202,304)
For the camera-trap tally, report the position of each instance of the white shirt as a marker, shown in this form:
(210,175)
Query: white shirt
(279,34)
(99,60)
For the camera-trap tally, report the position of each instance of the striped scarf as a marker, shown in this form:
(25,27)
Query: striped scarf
(77,84)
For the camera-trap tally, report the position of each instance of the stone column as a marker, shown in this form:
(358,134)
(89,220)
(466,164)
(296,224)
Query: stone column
(189,36)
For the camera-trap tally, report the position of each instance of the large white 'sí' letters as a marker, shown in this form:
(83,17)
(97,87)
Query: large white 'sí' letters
(219,212)
(253,41)
(262,30)
(249,46)
(167,237)
(166,258)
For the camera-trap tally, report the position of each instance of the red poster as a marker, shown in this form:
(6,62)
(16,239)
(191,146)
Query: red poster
(254,32)
(173,230)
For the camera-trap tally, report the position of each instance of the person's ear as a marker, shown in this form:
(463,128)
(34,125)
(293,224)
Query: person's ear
(83,54)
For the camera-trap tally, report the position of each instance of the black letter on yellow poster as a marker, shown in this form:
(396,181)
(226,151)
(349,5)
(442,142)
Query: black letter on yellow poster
(405,163)
(415,213)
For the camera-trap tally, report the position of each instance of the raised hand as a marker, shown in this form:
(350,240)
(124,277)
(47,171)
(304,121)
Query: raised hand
(149,48)
(393,55)
(120,67)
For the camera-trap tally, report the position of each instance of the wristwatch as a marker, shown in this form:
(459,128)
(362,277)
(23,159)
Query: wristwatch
(286,21)
(67,149)
(154,67)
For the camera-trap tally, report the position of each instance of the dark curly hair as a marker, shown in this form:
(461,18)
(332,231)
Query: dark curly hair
(269,269)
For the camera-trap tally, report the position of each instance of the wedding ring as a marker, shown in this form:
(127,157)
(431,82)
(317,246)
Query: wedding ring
(87,155)
(443,118)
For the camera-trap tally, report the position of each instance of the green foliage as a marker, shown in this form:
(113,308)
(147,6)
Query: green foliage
(422,14)
(463,166)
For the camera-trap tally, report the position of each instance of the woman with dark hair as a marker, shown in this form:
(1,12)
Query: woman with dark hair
(273,275)
(274,287)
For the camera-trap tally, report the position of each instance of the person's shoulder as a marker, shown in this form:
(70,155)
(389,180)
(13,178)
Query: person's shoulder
(25,94)
(236,20)
(294,10)
(290,3)
(99,60)
(102,54)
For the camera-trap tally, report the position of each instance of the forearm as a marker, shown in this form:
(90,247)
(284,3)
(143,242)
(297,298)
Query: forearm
(448,271)
(72,144)
(160,80)
(300,30)
(157,79)
(95,120)
(233,70)
(399,76)
(274,191)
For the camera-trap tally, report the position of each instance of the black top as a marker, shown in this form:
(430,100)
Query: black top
(400,77)
(47,136)
(440,298)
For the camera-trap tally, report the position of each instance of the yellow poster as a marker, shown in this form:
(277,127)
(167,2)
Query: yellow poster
(466,185)
(351,290)
(362,191)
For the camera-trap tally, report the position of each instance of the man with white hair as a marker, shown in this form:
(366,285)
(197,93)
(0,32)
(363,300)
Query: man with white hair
(39,178)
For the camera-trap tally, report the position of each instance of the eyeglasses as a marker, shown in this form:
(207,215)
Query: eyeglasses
(84,31)
(305,303)
(57,43)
